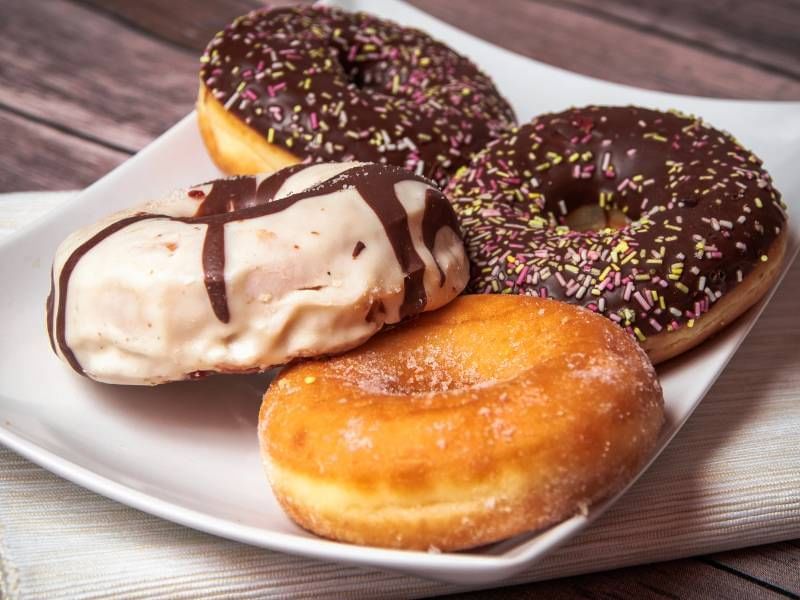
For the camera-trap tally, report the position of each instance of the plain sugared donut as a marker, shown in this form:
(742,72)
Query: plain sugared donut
(317,83)
(492,416)
(240,274)
(662,223)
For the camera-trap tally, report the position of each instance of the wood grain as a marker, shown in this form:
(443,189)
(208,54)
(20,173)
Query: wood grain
(44,158)
(756,33)
(777,564)
(89,74)
(669,580)
(588,44)
(184,23)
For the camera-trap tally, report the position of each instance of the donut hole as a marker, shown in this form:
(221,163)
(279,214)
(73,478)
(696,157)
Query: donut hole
(421,370)
(593,217)
(444,359)
(359,72)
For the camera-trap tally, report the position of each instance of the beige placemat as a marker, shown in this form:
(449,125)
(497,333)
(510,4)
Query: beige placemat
(731,478)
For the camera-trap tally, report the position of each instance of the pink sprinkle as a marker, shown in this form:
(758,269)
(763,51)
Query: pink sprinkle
(626,295)
(641,300)
(655,324)
(313,118)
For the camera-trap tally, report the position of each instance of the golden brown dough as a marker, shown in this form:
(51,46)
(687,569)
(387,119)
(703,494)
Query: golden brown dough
(490,417)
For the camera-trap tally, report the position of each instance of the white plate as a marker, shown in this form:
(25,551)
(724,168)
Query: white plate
(188,452)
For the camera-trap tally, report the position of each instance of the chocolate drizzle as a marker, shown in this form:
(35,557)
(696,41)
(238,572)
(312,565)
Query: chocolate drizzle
(358,248)
(438,214)
(66,273)
(49,309)
(238,199)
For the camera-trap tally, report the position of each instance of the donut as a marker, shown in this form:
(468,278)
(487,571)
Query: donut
(241,274)
(492,416)
(667,226)
(314,83)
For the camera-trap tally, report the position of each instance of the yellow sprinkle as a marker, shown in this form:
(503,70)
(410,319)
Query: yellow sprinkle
(310,379)
(682,287)
(759,203)
(654,136)
(270,135)
(764,258)
(639,335)
(690,323)
(511,259)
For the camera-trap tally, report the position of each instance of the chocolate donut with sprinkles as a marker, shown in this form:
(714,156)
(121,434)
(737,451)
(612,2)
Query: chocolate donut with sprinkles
(669,227)
(313,83)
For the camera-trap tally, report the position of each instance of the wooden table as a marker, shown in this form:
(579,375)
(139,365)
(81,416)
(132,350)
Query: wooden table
(84,84)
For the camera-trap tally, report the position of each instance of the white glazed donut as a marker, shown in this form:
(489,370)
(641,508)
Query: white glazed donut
(244,273)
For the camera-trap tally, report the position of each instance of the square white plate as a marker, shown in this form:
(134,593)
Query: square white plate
(188,452)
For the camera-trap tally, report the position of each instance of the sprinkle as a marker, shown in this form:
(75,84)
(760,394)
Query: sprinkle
(309,379)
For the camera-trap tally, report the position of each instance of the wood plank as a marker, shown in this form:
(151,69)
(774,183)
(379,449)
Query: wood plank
(670,580)
(186,23)
(595,46)
(758,33)
(777,564)
(91,74)
(45,159)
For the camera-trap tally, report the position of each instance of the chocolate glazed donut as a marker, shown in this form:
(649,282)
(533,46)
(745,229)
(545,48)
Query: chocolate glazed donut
(316,83)
(655,219)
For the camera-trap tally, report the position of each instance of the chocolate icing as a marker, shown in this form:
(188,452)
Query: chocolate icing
(358,248)
(438,214)
(703,213)
(237,199)
(331,85)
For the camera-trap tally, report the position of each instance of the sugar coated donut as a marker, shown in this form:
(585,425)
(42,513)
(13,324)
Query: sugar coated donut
(316,83)
(655,219)
(240,274)
(493,416)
